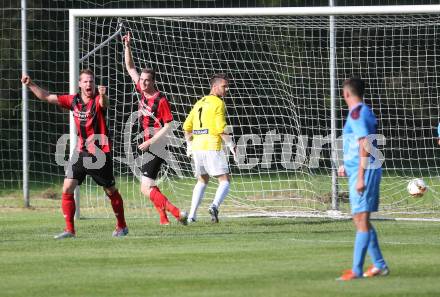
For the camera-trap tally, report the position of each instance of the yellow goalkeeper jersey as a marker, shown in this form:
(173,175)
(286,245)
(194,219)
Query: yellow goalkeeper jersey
(206,121)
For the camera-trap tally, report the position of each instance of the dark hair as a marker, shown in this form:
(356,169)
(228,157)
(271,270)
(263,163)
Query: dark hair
(217,77)
(150,71)
(86,71)
(356,86)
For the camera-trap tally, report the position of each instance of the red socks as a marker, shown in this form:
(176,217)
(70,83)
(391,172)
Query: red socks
(161,203)
(163,216)
(118,209)
(68,207)
(172,209)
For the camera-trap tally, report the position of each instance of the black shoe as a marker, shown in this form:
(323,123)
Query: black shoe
(213,211)
(183,218)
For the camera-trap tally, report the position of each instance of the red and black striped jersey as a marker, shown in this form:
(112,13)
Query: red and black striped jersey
(90,122)
(155,112)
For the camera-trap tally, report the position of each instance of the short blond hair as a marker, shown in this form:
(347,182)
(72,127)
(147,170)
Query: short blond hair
(86,71)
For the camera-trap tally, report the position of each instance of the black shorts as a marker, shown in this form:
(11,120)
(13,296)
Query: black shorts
(152,165)
(101,172)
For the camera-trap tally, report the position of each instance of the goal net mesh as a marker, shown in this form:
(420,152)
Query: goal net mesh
(278,107)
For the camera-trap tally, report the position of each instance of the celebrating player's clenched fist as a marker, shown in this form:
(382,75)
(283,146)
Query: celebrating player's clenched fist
(101,90)
(26,79)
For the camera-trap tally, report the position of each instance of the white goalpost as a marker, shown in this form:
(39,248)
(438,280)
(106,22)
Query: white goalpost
(286,67)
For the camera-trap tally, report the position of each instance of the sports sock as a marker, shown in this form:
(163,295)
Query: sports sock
(175,211)
(220,194)
(118,209)
(162,216)
(198,193)
(360,249)
(68,207)
(374,250)
(162,203)
(157,198)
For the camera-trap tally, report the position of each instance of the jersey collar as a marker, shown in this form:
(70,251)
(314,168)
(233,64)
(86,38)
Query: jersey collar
(152,97)
(356,106)
(216,96)
(81,98)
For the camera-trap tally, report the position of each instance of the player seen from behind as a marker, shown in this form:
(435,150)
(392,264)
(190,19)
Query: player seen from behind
(364,174)
(205,128)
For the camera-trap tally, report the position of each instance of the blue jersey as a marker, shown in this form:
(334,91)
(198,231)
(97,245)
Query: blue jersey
(360,123)
(438,130)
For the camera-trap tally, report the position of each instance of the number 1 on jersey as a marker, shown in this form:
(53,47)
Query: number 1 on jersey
(200,116)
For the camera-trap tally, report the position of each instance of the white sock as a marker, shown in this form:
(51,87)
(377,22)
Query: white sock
(220,195)
(198,192)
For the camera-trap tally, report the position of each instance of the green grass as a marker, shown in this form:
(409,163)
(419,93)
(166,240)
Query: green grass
(291,191)
(238,257)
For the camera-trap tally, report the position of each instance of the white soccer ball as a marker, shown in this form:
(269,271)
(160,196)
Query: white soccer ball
(416,187)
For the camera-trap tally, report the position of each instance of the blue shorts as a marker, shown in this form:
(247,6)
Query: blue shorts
(369,200)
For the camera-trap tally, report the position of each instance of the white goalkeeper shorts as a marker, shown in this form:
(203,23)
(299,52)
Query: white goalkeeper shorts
(213,163)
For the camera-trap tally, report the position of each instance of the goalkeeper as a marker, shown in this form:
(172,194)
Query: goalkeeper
(204,131)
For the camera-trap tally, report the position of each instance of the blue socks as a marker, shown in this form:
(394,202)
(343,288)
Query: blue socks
(360,249)
(374,250)
(367,241)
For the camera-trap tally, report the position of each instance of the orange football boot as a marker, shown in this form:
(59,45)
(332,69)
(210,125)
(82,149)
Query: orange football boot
(347,275)
(373,271)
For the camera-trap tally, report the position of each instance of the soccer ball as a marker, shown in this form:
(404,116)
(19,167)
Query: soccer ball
(416,187)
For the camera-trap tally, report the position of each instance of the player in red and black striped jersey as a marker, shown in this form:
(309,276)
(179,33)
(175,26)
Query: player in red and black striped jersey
(155,117)
(93,152)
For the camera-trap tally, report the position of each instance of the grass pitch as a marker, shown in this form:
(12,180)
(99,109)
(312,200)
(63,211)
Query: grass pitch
(275,193)
(238,257)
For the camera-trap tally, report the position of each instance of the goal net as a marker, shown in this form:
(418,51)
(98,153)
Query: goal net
(279,105)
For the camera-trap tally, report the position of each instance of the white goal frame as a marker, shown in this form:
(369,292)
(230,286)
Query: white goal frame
(330,11)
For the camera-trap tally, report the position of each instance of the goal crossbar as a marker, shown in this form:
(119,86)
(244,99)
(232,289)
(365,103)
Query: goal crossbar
(259,11)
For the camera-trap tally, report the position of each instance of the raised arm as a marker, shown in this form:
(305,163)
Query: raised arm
(103,98)
(39,92)
(131,69)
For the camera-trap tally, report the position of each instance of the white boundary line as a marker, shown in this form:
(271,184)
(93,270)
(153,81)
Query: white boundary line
(330,215)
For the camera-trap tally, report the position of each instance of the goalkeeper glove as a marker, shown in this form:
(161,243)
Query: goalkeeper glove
(189,150)
(233,148)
